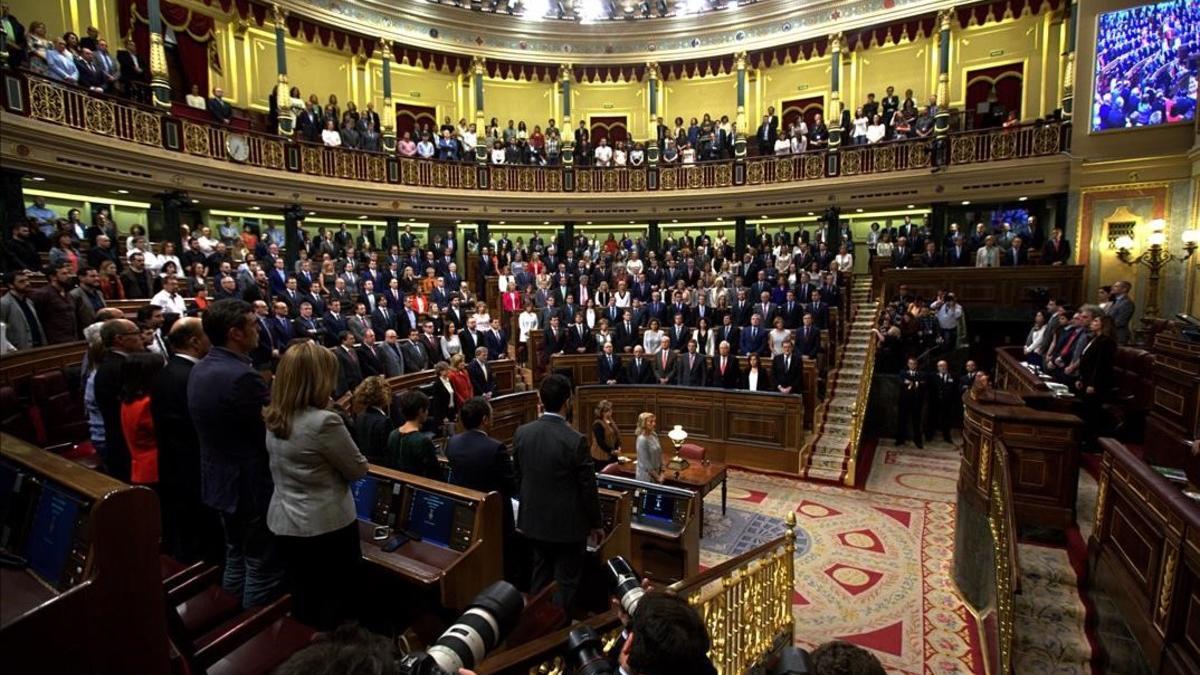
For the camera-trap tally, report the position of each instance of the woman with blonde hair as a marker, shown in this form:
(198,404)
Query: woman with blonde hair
(313,462)
(606,437)
(649,451)
(371,400)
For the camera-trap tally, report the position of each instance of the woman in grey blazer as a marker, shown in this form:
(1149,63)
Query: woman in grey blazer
(313,462)
(649,452)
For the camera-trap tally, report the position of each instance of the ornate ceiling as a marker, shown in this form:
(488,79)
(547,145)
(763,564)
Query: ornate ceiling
(448,28)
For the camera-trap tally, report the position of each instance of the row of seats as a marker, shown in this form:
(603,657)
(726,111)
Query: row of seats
(50,415)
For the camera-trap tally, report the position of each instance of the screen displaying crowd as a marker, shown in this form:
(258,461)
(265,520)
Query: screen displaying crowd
(1146,66)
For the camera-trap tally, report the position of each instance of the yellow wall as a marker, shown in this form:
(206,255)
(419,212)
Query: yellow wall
(789,82)
(61,16)
(716,96)
(611,99)
(518,100)
(1029,40)
(416,86)
(909,65)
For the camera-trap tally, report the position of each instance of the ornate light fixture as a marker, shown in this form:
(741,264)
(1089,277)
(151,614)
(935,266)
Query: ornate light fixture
(1155,257)
(678,436)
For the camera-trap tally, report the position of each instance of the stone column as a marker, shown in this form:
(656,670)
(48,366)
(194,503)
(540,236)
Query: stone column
(283,97)
(1068,99)
(568,139)
(739,238)
(477,73)
(652,149)
(173,204)
(834,117)
(387,117)
(293,217)
(739,140)
(941,120)
(160,82)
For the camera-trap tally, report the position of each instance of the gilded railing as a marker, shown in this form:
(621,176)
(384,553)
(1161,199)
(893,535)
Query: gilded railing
(1002,523)
(56,103)
(746,603)
(862,400)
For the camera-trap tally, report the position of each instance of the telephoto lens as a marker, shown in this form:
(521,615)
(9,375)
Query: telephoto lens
(585,651)
(627,585)
(485,624)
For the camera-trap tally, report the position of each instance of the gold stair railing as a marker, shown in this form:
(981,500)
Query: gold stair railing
(861,400)
(746,603)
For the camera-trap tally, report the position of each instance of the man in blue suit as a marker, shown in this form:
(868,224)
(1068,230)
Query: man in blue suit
(281,326)
(754,337)
(225,397)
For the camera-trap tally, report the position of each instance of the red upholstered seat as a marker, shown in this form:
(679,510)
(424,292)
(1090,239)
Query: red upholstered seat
(268,648)
(1133,392)
(16,419)
(62,409)
(693,452)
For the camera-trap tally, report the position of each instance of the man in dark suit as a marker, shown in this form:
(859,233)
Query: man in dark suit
(333,323)
(766,136)
(220,110)
(383,318)
(191,531)
(555,340)
(225,398)
(1057,250)
(638,369)
(370,361)
(912,399)
(281,326)
(626,333)
(808,338)
(691,369)
(470,337)
(665,363)
(579,337)
(306,326)
(121,338)
(483,378)
(495,339)
(726,373)
(818,309)
(945,402)
(729,332)
(754,337)
(679,333)
(350,373)
(132,73)
(786,370)
(1016,255)
(416,358)
(560,506)
(930,257)
(608,366)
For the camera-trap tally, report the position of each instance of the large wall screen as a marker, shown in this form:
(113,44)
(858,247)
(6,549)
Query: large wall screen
(1146,66)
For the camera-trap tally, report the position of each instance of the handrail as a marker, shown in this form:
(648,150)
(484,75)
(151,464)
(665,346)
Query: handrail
(1002,524)
(859,414)
(52,102)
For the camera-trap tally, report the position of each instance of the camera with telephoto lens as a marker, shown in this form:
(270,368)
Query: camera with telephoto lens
(627,585)
(585,651)
(485,624)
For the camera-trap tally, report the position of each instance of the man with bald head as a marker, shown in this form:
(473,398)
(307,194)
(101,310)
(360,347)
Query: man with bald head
(191,531)
(121,337)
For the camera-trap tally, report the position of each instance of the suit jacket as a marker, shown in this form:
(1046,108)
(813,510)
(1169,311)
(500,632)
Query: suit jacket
(220,110)
(808,343)
(481,383)
(392,357)
(731,377)
(944,392)
(497,344)
(281,332)
(178,447)
(789,376)
(370,361)
(1056,252)
(415,357)
(18,332)
(604,372)
(1096,364)
(1014,257)
(695,375)
(820,314)
(667,371)
(380,324)
(350,373)
(333,324)
(311,328)
(479,462)
(129,72)
(225,399)
(1121,311)
(577,339)
(559,500)
(371,430)
(358,326)
(960,257)
(752,343)
(679,338)
(643,374)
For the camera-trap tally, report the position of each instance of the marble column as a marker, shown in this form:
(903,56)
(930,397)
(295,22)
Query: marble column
(387,119)
(477,73)
(941,120)
(739,140)
(833,119)
(1068,99)
(652,149)
(568,139)
(293,218)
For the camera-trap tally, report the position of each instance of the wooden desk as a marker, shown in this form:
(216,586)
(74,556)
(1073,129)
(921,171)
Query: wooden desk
(703,478)
(583,371)
(17,367)
(1145,553)
(511,411)
(1013,376)
(456,572)
(1173,425)
(103,612)
(760,430)
(996,287)
(1044,462)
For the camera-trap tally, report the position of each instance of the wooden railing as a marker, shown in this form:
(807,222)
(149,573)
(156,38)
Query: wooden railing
(861,401)
(55,103)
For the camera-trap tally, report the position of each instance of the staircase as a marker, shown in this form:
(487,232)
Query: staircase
(832,452)
(1051,617)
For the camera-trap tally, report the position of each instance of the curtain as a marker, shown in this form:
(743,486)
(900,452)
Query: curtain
(615,128)
(411,117)
(1008,83)
(196,47)
(795,108)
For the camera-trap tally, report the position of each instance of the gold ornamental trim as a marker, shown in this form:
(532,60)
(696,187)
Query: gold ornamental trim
(375,169)
(919,155)
(554,181)
(1167,586)
(500,179)
(724,175)
(195,139)
(310,160)
(583,180)
(962,150)
(147,129)
(1003,145)
(272,155)
(1101,498)
(409,171)
(466,177)
(754,173)
(46,103)
(637,180)
(99,116)
(1045,140)
(668,178)
(851,162)
(885,158)
(525,182)
(784,170)
(814,167)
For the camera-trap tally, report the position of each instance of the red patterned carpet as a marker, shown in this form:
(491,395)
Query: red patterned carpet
(873,566)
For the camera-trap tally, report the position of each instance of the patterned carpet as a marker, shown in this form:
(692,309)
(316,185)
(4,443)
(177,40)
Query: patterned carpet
(873,566)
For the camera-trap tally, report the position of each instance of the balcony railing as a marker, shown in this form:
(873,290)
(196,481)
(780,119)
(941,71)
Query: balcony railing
(54,103)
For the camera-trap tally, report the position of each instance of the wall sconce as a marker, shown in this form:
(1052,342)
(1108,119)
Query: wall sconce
(1155,257)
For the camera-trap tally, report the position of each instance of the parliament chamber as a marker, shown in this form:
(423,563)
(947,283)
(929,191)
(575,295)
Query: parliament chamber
(654,337)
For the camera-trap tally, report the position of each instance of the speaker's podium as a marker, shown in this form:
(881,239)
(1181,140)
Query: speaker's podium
(81,590)
(665,528)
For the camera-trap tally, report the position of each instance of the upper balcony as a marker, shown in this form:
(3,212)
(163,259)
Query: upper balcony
(66,132)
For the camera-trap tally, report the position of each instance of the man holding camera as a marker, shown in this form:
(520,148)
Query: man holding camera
(560,507)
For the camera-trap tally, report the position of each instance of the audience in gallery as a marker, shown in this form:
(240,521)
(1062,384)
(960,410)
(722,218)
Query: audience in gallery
(1146,66)
(88,64)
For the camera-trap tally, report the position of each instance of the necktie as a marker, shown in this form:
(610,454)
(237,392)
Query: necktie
(610,364)
(664,357)
(723,362)
(787,363)
(691,361)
